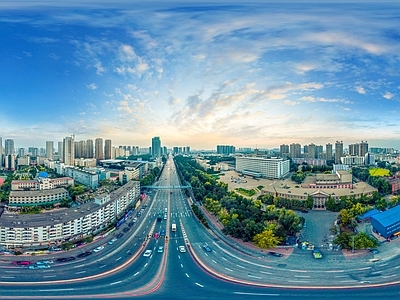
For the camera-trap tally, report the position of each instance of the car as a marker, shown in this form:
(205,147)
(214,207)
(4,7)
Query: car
(43,266)
(65,259)
(162,233)
(147,253)
(139,214)
(165,216)
(120,235)
(207,248)
(32,267)
(373,251)
(21,263)
(317,254)
(126,229)
(84,254)
(134,219)
(44,262)
(98,249)
(156,235)
(182,249)
(275,254)
(131,224)
(160,249)
(112,241)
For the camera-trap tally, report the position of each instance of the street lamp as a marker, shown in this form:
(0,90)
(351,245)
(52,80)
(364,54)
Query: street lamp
(352,250)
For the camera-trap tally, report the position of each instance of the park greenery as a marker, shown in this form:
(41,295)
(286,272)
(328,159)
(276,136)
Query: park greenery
(243,218)
(245,192)
(150,177)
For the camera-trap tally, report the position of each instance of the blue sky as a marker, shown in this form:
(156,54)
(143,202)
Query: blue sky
(200,74)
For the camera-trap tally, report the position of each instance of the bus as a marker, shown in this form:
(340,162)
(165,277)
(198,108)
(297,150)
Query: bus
(173,227)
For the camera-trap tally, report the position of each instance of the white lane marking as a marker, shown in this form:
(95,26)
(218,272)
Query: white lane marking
(301,276)
(241,266)
(299,271)
(269,273)
(7,277)
(146,264)
(102,266)
(199,284)
(228,270)
(252,276)
(347,281)
(397,267)
(382,265)
(80,272)
(224,258)
(48,276)
(56,290)
(388,276)
(377,272)
(115,282)
(80,266)
(335,271)
(206,254)
(12,272)
(187,275)
(136,274)
(179,257)
(181,266)
(255,294)
(366,268)
(118,258)
(214,261)
(338,276)
(298,281)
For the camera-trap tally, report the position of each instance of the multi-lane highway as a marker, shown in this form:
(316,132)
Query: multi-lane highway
(121,271)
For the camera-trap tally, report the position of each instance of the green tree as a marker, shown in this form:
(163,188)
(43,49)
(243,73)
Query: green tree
(266,239)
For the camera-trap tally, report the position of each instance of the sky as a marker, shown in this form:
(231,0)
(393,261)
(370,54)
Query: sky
(197,74)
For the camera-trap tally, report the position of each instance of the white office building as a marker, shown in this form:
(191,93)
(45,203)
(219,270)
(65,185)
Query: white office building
(273,168)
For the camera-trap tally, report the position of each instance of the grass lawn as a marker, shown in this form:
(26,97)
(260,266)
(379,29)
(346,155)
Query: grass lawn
(245,192)
(379,172)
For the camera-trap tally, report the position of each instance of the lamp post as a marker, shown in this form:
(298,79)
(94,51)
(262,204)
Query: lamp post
(352,250)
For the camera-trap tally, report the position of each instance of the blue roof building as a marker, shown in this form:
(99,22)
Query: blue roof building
(369,214)
(387,223)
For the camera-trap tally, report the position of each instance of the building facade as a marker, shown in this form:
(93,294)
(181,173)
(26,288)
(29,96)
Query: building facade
(274,168)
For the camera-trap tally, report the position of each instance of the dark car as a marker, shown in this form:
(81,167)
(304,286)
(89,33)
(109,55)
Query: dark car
(65,259)
(120,235)
(126,229)
(275,254)
(84,254)
(131,224)
(162,233)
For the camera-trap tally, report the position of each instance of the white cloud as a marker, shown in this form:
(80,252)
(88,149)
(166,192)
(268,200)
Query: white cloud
(388,95)
(124,107)
(291,103)
(360,90)
(92,86)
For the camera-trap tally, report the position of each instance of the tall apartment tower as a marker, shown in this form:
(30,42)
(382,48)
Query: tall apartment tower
(362,148)
(98,149)
(329,151)
(89,149)
(311,151)
(80,149)
(225,149)
(49,149)
(338,151)
(284,150)
(156,147)
(107,149)
(295,150)
(1,151)
(9,147)
(61,151)
(69,150)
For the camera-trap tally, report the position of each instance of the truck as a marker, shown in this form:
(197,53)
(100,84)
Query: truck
(160,216)
(173,227)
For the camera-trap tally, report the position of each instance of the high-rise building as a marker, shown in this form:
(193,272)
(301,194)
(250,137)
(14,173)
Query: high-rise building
(98,149)
(284,150)
(89,149)
(107,149)
(21,152)
(329,151)
(49,149)
(362,148)
(9,162)
(69,151)
(156,147)
(60,150)
(225,149)
(9,147)
(318,151)
(311,151)
(80,149)
(1,152)
(338,151)
(295,150)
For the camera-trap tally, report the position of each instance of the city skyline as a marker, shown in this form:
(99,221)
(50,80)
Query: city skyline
(250,75)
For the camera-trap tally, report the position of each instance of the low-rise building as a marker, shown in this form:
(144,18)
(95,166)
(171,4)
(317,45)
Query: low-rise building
(40,197)
(274,168)
(66,224)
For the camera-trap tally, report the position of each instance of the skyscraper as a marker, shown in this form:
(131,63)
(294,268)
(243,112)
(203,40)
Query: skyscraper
(9,147)
(284,150)
(107,149)
(156,147)
(329,151)
(49,149)
(338,151)
(98,149)
(311,151)
(362,148)
(60,150)
(80,149)
(295,150)
(89,149)
(69,151)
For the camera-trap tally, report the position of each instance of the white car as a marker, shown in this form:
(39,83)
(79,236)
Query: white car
(112,241)
(44,262)
(98,249)
(147,253)
(182,249)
